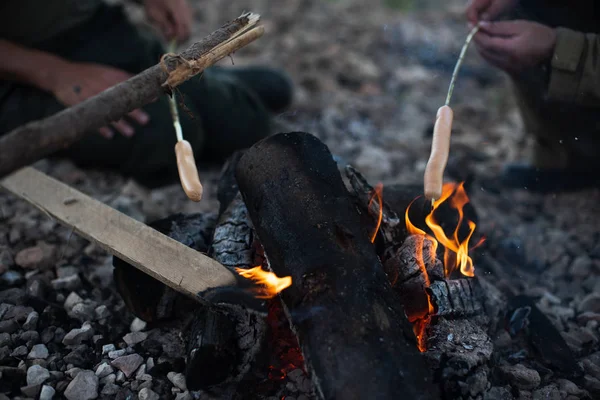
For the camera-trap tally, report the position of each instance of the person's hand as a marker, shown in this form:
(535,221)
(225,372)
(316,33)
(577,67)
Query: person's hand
(74,82)
(487,10)
(173,17)
(514,46)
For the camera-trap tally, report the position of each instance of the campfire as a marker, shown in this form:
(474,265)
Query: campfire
(334,285)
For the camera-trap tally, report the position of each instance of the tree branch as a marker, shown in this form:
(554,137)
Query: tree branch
(39,139)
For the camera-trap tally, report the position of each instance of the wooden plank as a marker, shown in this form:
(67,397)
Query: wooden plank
(161,257)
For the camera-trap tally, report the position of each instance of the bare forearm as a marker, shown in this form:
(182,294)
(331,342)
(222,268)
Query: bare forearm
(28,66)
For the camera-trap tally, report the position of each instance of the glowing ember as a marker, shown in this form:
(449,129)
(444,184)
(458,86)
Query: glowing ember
(269,283)
(377,193)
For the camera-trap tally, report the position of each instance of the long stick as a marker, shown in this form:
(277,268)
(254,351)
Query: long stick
(39,139)
(460,61)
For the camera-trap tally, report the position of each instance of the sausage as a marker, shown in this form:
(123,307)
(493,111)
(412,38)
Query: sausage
(188,172)
(440,147)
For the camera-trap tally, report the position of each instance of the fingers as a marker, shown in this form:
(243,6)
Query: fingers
(139,116)
(106,132)
(124,128)
(496,44)
(164,23)
(503,28)
(181,19)
(476,9)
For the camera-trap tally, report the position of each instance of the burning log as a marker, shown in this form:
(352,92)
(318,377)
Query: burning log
(354,335)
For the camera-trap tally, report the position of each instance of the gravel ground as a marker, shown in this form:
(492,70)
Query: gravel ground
(369,81)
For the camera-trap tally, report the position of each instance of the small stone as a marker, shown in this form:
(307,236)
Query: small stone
(30,337)
(77,336)
(72,373)
(581,267)
(36,375)
(549,392)
(521,377)
(12,278)
(9,326)
(38,351)
(184,396)
(102,312)
(120,377)
(12,296)
(66,271)
(31,321)
(147,394)
(72,300)
(592,385)
(137,325)
(103,370)
(83,387)
(40,256)
(107,348)
(5,339)
(590,303)
(568,387)
(71,282)
(111,378)
(4,308)
(116,353)
(83,311)
(47,393)
(110,389)
(31,391)
(178,380)
(128,364)
(149,364)
(19,352)
(305,386)
(134,338)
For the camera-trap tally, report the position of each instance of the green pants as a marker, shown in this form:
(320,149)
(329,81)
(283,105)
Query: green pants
(221,115)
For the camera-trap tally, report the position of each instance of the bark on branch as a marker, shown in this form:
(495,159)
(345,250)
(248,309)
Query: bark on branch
(39,139)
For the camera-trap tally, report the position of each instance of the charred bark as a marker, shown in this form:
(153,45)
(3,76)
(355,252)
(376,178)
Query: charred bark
(354,335)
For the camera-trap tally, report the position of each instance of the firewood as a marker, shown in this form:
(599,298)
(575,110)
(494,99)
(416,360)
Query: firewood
(354,335)
(225,336)
(174,264)
(38,139)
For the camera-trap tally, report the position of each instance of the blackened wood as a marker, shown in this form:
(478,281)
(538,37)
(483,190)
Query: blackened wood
(392,225)
(354,335)
(460,351)
(213,353)
(148,298)
(411,269)
(225,337)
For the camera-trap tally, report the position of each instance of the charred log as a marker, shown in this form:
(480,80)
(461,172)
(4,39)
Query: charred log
(354,335)
(148,298)
(225,337)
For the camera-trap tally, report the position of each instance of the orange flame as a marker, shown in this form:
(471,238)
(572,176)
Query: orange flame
(377,193)
(456,253)
(270,283)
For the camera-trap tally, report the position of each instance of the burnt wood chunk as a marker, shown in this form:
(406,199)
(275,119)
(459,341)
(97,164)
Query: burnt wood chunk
(146,297)
(225,337)
(355,338)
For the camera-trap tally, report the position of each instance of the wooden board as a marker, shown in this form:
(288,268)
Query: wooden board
(161,257)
